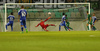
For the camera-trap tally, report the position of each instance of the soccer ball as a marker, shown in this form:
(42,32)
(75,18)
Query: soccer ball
(49,13)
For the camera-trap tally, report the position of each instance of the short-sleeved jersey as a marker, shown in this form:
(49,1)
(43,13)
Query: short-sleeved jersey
(63,18)
(89,17)
(93,19)
(22,14)
(11,18)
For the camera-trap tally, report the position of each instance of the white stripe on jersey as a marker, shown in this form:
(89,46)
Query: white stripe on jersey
(63,17)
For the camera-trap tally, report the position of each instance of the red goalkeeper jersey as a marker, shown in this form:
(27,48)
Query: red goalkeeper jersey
(42,23)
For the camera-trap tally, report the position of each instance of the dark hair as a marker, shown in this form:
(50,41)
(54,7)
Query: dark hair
(63,13)
(41,19)
(11,13)
(66,15)
(87,12)
(22,6)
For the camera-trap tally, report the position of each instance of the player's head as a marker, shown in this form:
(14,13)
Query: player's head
(41,20)
(63,13)
(22,7)
(87,12)
(11,13)
(93,14)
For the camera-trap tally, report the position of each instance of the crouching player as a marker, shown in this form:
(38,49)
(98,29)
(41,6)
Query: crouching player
(43,25)
(11,19)
(67,23)
(63,22)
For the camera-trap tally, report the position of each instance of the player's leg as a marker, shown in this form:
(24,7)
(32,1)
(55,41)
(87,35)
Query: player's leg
(60,26)
(21,23)
(51,25)
(66,26)
(45,29)
(87,26)
(12,27)
(24,23)
(70,28)
(93,27)
(7,25)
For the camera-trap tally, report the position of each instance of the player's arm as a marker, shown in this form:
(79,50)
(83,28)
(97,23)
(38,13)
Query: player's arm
(85,20)
(37,25)
(47,19)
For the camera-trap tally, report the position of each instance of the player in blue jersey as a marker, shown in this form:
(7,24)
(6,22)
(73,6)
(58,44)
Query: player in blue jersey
(22,14)
(94,18)
(93,21)
(63,22)
(11,20)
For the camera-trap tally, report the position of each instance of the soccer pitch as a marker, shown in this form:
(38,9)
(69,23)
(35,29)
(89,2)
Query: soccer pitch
(50,41)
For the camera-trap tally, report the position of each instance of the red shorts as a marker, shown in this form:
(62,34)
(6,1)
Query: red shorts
(45,26)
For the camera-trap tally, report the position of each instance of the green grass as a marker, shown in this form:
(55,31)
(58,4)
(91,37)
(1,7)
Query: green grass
(50,41)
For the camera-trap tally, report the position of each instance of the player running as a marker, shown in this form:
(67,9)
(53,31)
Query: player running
(93,21)
(43,25)
(67,23)
(63,23)
(22,14)
(89,20)
(11,21)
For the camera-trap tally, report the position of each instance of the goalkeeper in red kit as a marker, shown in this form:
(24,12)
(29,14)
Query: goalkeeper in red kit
(43,25)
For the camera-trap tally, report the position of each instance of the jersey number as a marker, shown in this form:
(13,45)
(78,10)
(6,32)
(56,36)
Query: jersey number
(23,14)
(11,19)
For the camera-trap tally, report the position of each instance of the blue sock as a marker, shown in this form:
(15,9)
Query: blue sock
(59,28)
(6,27)
(22,28)
(11,28)
(25,26)
(66,26)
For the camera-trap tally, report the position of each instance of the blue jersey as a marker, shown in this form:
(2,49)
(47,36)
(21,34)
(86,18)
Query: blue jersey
(11,18)
(63,18)
(63,23)
(22,14)
(93,18)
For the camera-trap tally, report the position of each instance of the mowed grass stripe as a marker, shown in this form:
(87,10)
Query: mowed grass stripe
(50,41)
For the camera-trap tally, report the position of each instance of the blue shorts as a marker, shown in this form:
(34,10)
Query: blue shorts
(23,22)
(9,23)
(63,23)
